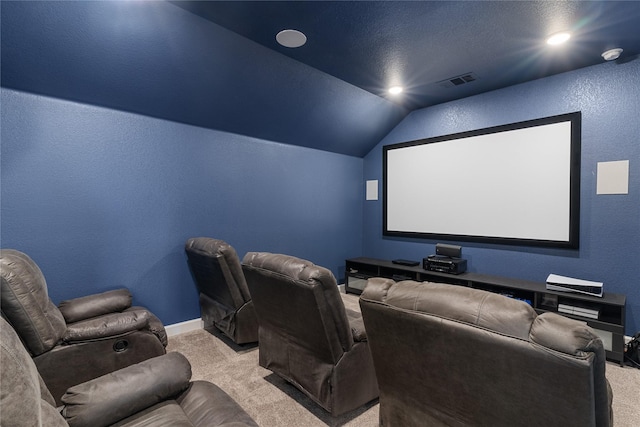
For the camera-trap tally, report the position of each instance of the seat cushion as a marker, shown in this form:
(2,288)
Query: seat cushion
(164,414)
(206,404)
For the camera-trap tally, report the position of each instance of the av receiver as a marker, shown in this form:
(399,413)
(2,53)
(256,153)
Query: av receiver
(444,264)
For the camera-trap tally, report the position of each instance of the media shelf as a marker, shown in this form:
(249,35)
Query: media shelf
(606,315)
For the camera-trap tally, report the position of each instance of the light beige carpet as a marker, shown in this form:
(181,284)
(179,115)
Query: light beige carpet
(272,402)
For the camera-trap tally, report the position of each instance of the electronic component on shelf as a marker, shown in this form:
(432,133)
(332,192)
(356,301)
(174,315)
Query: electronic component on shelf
(569,284)
(406,262)
(579,311)
(452,251)
(444,264)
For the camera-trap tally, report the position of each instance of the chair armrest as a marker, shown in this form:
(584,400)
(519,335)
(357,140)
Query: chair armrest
(377,288)
(356,324)
(577,339)
(566,335)
(107,326)
(120,394)
(155,325)
(77,309)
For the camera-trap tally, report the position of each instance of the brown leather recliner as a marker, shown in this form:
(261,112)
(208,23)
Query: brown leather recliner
(450,355)
(225,301)
(82,338)
(306,335)
(155,392)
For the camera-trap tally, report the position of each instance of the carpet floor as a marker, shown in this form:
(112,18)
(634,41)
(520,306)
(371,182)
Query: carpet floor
(272,402)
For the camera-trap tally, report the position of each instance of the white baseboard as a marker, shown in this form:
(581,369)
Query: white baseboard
(183,327)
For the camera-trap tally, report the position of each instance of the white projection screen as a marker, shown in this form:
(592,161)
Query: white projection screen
(514,184)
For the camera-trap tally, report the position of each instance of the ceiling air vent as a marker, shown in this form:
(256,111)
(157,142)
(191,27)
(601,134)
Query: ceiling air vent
(458,80)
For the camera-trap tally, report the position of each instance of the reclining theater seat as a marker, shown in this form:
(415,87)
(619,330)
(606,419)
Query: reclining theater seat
(225,301)
(81,339)
(156,392)
(449,355)
(306,335)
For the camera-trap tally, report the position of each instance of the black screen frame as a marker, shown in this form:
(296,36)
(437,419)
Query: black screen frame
(572,242)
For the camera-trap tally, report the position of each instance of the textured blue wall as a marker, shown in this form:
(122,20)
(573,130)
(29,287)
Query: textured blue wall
(156,59)
(609,97)
(101,198)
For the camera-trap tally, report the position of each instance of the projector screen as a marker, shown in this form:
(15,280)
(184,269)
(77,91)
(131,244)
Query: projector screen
(514,184)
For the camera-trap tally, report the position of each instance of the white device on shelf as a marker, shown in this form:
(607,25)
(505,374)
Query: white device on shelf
(570,284)
(579,311)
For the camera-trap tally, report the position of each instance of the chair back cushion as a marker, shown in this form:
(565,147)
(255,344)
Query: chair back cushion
(452,355)
(26,305)
(461,304)
(299,302)
(25,400)
(217,271)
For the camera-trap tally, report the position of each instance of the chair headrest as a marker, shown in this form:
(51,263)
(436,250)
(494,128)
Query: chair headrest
(473,306)
(26,304)
(208,246)
(217,271)
(295,268)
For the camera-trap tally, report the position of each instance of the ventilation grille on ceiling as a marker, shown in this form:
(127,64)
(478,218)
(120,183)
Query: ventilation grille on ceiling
(458,80)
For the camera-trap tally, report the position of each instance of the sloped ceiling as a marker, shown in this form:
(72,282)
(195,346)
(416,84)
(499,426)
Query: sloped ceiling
(422,44)
(217,64)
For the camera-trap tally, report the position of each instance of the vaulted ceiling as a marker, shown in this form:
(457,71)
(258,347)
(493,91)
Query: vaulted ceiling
(217,64)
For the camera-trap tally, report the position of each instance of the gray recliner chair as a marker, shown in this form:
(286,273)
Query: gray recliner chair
(155,392)
(307,337)
(449,355)
(225,301)
(82,338)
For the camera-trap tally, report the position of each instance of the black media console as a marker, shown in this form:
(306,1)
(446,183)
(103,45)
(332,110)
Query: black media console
(606,315)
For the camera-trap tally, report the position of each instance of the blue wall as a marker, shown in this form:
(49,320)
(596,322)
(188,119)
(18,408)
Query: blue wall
(101,198)
(609,97)
(157,59)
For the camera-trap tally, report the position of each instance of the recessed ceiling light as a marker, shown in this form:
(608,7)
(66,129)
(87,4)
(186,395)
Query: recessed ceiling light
(291,38)
(612,54)
(558,38)
(394,90)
